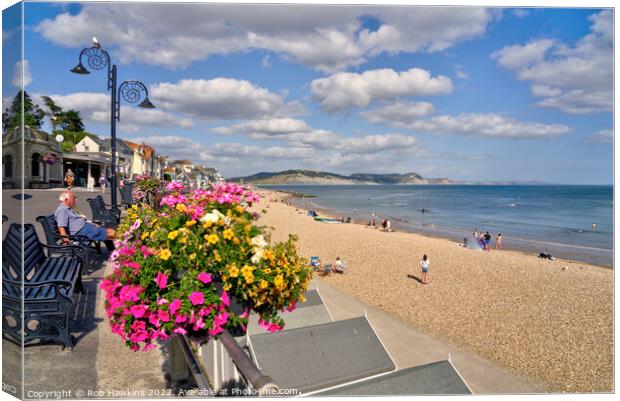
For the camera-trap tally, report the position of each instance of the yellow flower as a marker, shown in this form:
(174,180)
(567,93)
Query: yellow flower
(134,207)
(172,235)
(247,269)
(236,241)
(207,224)
(279,282)
(233,271)
(183,240)
(144,235)
(268,255)
(239,209)
(267,270)
(227,287)
(134,216)
(249,278)
(218,258)
(190,223)
(229,234)
(164,254)
(212,239)
(192,256)
(263,284)
(181,207)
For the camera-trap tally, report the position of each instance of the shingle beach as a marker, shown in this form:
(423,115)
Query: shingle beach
(549,320)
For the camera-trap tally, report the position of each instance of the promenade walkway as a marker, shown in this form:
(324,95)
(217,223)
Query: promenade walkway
(101,366)
(409,347)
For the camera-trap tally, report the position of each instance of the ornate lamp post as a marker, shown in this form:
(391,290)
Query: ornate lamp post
(131,90)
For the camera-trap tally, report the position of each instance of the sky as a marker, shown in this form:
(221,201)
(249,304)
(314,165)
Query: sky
(467,93)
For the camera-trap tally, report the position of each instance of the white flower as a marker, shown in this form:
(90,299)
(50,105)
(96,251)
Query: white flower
(259,241)
(258,255)
(227,220)
(213,217)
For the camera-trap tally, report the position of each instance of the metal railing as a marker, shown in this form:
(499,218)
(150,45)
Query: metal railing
(219,367)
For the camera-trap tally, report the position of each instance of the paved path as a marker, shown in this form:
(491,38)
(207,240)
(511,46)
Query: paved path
(409,347)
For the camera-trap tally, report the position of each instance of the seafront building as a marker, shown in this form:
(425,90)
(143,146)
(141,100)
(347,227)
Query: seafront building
(42,167)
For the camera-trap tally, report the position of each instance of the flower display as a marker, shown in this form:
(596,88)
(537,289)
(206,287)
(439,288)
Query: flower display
(146,189)
(50,158)
(198,266)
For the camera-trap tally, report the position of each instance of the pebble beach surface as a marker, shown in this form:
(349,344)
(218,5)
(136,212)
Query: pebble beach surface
(548,320)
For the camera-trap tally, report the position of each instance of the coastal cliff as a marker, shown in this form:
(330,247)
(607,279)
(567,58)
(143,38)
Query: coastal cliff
(310,177)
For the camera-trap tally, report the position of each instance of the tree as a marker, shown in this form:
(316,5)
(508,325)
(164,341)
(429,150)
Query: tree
(71,121)
(12,116)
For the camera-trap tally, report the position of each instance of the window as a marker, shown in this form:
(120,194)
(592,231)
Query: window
(7,166)
(86,148)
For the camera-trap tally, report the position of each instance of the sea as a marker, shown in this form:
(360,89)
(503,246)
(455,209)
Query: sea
(566,221)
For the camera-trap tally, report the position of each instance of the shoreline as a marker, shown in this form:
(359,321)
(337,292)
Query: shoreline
(433,232)
(550,321)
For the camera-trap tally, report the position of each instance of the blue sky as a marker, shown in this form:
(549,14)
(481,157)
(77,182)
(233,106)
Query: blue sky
(468,93)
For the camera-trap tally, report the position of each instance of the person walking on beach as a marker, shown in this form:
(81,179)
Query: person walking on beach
(425,264)
(487,242)
(498,241)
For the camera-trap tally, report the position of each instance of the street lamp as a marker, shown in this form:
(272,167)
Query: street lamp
(131,90)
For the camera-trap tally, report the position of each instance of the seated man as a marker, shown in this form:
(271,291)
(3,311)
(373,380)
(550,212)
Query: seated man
(72,223)
(339,266)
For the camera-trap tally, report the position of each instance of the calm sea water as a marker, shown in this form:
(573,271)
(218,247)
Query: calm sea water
(557,218)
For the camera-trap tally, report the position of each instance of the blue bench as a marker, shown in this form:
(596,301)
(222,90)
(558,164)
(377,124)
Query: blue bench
(39,291)
(101,214)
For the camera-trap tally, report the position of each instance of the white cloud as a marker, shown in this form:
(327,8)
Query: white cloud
(602,136)
(270,127)
(575,79)
(403,112)
(95,108)
(17,74)
(518,56)
(345,89)
(483,125)
(521,12)
(328,38)
(216,99)
(266,61)
(460,72)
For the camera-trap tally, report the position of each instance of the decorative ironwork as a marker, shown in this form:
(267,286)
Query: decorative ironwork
(132,91)
(97,58)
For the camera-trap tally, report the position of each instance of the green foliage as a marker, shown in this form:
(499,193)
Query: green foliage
(12,116)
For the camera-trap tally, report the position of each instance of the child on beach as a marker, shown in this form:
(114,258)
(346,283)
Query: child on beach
(498,241)
(425,264)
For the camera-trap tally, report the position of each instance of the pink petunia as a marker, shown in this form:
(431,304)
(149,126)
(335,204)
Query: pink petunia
(161,280)
(148,347)
(138,325)
(138,336)
(180,330)
(138,311)
(215,330)
(163,315)
(204,277)
(162,301)
(174,306)
(197,298)
(224,298)
(180,319)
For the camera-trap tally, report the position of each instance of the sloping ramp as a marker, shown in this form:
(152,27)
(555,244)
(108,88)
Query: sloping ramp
(321,356)
(309,313)
(438,378)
